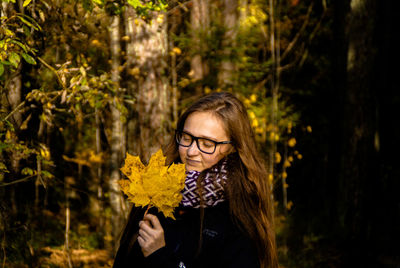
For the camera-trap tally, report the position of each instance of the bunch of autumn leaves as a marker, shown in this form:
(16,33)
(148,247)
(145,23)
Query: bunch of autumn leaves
(154,185)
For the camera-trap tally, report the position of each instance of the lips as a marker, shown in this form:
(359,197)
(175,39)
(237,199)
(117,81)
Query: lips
(192,162)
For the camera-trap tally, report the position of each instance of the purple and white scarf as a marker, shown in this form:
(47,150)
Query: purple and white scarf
(212,184)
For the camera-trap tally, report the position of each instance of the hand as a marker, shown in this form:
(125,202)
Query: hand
(151,234)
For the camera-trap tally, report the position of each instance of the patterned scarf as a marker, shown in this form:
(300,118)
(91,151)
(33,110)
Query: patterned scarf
(213,187)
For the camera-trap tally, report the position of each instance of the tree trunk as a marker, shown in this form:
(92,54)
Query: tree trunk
(116,199)
(132,132)
(152,103)
(274,93)
(385,232)
(174,74)
(67,223)
(358,170)
(200,22)
(13,86)
(230,21)
(96,185)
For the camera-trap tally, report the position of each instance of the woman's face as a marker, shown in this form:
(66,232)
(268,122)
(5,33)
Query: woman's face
(203,125)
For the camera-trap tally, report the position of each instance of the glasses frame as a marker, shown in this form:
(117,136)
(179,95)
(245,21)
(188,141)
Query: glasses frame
(194,138)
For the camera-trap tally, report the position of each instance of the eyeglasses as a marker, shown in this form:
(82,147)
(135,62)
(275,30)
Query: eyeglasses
(205,145)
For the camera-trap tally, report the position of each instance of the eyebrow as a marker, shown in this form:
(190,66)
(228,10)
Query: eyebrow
(205,137)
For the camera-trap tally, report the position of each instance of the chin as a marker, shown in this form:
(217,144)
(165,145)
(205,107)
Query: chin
(189,168)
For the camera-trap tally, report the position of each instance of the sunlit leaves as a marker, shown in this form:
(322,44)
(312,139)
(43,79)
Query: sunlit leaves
(28,58)
(14,59)
(143,8)
(29,22)
(134,3)
(291,142)
(26,2)
(155,185)
(86,158)
(13,46)
(11,146)
(28,171)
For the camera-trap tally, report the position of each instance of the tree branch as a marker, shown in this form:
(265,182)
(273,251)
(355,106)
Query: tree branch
(299,33)
(14,111)
(54,71)
(17,181)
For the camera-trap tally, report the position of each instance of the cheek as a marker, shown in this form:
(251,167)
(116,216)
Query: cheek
(210,160)
(182,153)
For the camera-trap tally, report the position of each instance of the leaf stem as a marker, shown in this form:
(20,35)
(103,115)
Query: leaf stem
(147,210)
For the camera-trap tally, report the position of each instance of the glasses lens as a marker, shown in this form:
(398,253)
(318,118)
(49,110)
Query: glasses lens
(206,146)
(184,139)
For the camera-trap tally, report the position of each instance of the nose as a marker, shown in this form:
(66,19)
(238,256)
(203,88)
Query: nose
(193,149)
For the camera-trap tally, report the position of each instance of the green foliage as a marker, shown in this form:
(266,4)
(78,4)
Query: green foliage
(144,8)
(13,45)
(10,145)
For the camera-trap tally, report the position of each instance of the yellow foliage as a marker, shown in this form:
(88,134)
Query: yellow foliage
(155,185)
(253,98)
(309,129)
(292,142)
(8,135)
(85,158)
(255,17)
(252,115)
(272,135)
(284,175)
(289,205)
(286,163)
(278,157)
(45,154)
(125,38)
(134,71)
(177,51)
(299,156)
(95,158)
(259,130)
(289,127)
(270,178)
(184,82)
(254,123)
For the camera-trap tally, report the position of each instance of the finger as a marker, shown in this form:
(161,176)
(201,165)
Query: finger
(154,221)
(145,236)
(141,241)
(145,226)
(144,223)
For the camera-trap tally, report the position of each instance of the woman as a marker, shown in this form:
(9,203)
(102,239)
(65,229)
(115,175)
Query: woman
(224,219)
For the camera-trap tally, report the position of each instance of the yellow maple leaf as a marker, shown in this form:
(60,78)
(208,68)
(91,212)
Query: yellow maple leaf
(154,185)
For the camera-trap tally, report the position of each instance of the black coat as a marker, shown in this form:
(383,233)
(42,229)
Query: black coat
(223,243)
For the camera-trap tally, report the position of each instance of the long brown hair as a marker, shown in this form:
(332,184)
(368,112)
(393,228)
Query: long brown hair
(247,191)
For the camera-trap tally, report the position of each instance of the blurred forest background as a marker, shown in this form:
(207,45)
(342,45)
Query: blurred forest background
(83,82)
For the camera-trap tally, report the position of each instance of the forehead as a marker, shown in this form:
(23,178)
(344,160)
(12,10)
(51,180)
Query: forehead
(206,125)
